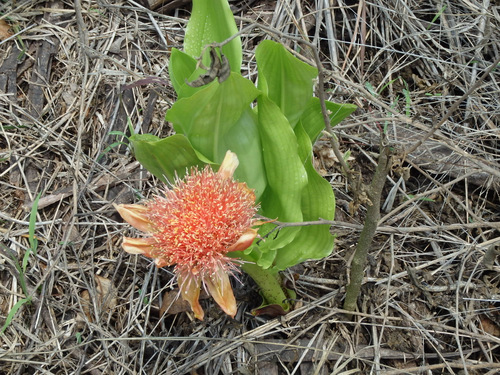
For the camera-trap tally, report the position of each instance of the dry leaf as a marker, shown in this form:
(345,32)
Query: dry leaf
(85,301)
(172,304)
(106,293)
(489,326)
(4,30)
(269,310)
(106,296)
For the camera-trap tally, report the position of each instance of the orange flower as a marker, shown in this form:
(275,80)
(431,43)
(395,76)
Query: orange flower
(197,222)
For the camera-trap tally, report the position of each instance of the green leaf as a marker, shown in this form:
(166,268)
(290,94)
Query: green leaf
(212,21)
(218,118)
(243,139)
(259,254)
(13,312)
(286,175)
(312,118)
(438,14)
(286,80)
(317,202)
(183,69)
(207,116)
(180,69)
(263,252)
(20,270)
(31,229)
(165,158)
(286,178)
(371,89)
(117,132)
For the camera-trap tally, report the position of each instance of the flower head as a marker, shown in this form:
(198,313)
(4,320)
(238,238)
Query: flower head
(193,226)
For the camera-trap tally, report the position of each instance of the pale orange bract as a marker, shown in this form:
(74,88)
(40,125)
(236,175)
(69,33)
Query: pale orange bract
(197,222)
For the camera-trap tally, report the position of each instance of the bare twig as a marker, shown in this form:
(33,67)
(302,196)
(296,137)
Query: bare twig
(369,228)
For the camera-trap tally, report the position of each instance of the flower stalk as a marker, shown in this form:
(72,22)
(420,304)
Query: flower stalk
(270,286)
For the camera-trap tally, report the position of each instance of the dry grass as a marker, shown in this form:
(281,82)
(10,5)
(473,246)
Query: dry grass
(430,301)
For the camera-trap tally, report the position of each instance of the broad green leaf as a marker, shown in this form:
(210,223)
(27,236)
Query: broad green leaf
(264,251)
(208,115)
(285,173)
(165,158)
(286,80)
(212,21)
(286,178)
(311,243)
(317,202)
(180,69)
(243,139)
(253,254)
(312,118)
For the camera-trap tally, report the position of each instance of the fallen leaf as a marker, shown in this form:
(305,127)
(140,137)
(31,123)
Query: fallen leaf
(85,301)
(269,310)
(105,293)
(4,30)
(171,303)
(489,326)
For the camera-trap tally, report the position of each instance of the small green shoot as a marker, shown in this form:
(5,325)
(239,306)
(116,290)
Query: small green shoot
(32,224)
(7,127)
(21,268)
(114,144)
(117,132)
(96,11)
(33,242)
(438,14)
(346,156)
(406,93)
(20,42)
(13,312)
(387,85)
(371,89)
(376,93)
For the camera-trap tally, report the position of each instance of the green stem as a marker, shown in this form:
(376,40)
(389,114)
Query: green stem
(269,283)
